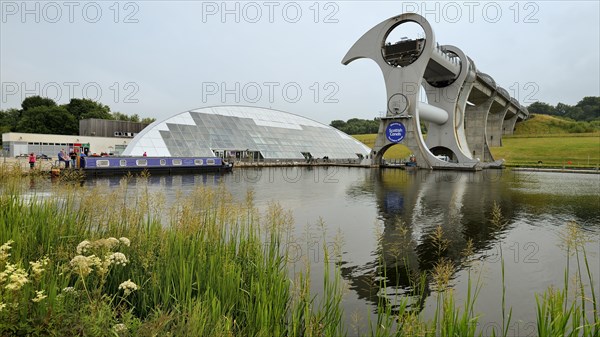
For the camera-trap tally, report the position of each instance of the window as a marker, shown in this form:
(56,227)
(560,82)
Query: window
(176,162)
(209,161)
(103,163)
(141,162)
(123,162)
(163,162)
(198,162)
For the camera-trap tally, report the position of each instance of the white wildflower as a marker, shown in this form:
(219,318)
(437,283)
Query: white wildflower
(112,242)
(128,287)
(2,306)
(125,241)
(93,260)
(17,279)
(4,254)
(69,290)
(120,328)
(37,267)
(83,247)
(39,296)
(81,265)
(8,269)
(103,266)
(118,259)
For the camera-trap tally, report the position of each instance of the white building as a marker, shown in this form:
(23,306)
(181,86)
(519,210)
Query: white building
(15,144)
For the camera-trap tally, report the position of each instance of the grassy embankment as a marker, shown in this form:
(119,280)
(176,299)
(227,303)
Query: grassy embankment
(541,138)
(100,261)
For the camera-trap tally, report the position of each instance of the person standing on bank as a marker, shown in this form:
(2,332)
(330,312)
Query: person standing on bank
(31,161)
(62,157)
(73,156)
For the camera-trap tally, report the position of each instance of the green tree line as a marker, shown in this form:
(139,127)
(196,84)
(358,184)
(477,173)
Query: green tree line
(586,113)
(356,126)
(586,110)
(43,115)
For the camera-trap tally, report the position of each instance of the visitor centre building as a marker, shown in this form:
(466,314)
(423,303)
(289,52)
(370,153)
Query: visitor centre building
(245,133)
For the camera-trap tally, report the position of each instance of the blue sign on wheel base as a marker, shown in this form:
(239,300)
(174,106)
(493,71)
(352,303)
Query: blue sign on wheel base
(395,132)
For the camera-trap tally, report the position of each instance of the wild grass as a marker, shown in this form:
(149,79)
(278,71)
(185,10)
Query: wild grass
(565,151)
(216,268)
(99,261)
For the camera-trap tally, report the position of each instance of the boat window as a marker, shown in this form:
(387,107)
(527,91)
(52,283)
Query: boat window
(210,161)
(102,163)
(176,162)
(123,162)
(198,162)
(163,162)
(141,162)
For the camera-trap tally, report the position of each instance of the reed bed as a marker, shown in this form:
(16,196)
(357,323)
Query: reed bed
(107,262)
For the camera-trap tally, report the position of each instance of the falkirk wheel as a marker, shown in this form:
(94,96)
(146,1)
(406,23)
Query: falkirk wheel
(466,112)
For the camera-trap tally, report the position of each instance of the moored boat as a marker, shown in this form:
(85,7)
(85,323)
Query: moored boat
(154,165)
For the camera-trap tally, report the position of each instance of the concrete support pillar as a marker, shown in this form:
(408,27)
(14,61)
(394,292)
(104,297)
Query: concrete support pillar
(493,129)
(475,125)
(508,125)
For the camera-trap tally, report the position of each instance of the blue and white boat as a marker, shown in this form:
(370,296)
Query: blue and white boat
(154,165)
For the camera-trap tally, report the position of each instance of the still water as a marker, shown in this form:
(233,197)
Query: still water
(390,215)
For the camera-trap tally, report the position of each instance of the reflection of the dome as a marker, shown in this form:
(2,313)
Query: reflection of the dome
(411,207)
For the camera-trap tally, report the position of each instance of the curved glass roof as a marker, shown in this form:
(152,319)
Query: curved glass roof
(275,134)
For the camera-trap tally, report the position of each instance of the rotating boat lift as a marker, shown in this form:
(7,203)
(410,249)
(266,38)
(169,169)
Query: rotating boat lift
(466,111)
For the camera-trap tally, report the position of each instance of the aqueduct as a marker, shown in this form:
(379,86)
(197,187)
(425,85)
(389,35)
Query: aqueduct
(466,112)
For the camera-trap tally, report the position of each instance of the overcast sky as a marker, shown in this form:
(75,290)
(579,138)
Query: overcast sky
(158,58)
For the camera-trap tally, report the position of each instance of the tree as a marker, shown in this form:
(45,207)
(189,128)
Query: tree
(8,120)
(338,124)
(48,119)
(588,109)
(35,101)
(98,114)
(148,120)
(86,108)
(357,126)
(120,116)
(541,108)
(591,107)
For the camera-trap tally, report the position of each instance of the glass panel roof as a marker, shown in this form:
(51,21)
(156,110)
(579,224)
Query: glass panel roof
(276,134)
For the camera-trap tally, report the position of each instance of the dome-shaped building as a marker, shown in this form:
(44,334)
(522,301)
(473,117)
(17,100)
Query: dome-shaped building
(243,131)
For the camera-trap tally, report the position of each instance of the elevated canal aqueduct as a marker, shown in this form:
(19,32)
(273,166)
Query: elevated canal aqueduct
(466,111)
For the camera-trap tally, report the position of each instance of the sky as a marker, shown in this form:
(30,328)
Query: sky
(159,58)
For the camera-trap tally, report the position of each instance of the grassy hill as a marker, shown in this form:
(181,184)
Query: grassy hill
(541,138)
(551,151)
(545,124)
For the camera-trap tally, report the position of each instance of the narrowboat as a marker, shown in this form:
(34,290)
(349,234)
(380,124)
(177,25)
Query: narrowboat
(96,166)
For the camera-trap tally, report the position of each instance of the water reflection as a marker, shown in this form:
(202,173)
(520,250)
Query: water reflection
(411,207)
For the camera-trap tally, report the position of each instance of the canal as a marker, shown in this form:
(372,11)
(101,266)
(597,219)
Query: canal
(392,225)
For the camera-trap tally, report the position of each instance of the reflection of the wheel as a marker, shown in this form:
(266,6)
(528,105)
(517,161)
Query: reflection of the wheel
(427,217)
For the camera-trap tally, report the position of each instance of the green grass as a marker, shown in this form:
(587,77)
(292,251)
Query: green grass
(395,152)
(564,151)
(208,266)
(545,124)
